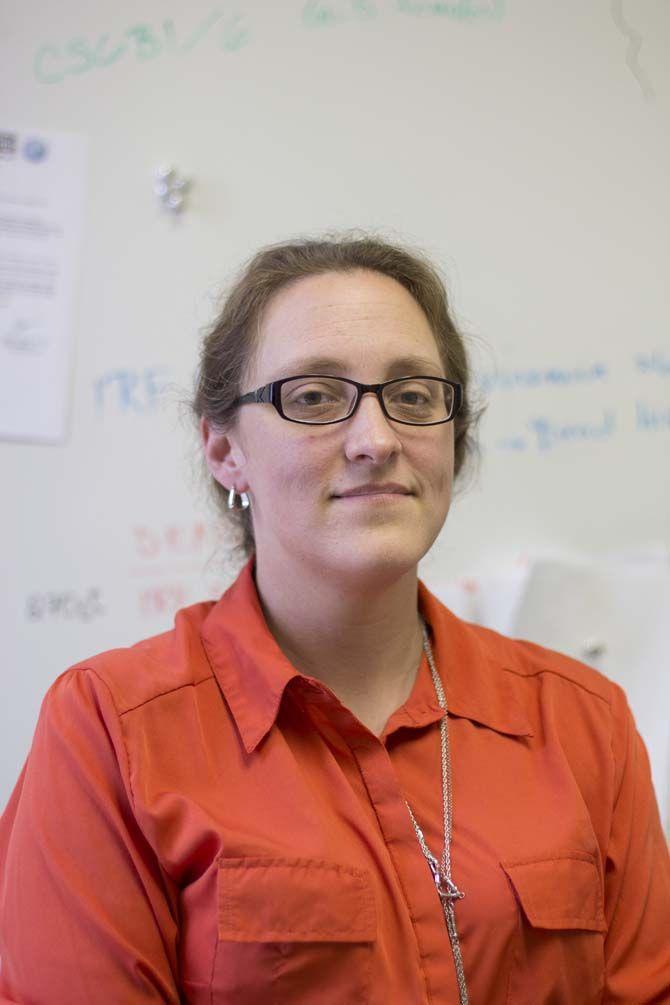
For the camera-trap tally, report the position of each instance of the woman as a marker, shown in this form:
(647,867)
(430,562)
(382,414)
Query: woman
(257,805)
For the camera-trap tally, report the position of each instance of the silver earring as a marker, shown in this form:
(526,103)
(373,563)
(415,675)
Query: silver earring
(233,503)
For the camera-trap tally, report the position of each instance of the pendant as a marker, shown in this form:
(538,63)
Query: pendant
(448,893)
(450,918)
(447,889)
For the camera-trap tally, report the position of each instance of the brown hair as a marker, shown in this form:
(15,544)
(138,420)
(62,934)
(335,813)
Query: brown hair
(228,345)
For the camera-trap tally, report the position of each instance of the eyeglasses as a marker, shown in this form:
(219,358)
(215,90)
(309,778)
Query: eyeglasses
(317,399)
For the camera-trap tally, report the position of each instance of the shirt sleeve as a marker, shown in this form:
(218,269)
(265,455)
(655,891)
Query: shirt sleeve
(637,878)
(86,913)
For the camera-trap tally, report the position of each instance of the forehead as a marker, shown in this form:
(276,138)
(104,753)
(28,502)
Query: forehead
(343,316)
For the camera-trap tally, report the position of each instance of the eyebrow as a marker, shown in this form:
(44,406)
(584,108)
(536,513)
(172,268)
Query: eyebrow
(404,365)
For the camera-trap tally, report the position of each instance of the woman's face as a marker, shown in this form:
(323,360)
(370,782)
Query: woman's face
(365,326)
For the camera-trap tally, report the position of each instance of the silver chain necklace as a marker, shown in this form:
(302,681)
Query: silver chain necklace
(446,888)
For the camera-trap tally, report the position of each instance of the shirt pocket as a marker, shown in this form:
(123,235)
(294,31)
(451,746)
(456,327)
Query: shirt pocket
(559,951)
(293,930)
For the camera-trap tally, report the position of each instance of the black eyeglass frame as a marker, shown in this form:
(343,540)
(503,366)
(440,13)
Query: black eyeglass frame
(271,394)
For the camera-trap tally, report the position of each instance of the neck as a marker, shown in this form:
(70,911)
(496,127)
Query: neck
(364,642)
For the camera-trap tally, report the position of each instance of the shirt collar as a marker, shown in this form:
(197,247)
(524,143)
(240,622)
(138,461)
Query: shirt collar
(473,665)
(253,672)
(248,664)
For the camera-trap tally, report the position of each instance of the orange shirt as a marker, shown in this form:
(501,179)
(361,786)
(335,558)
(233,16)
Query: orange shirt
(197,822)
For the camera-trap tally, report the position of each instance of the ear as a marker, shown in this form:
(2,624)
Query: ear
(224,456)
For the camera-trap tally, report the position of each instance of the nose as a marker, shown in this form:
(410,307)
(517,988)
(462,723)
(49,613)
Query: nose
(369,434)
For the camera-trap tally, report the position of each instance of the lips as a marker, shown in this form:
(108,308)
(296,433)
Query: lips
(388,488)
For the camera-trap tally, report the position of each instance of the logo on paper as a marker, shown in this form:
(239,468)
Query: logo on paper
(26,337)
(7,145)
(35,150)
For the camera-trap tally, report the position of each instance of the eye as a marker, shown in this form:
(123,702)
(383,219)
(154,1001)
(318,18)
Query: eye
(415,400)
(413,397)
(312,396)
(312,392)
(316,399)
(416,393)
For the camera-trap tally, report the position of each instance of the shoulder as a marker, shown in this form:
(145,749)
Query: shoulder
(527,660)
(544,684)
(152,667)
(565,715)
(562,696)
(520,659)
(554,677)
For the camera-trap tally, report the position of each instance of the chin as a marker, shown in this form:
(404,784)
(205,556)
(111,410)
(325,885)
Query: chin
(376,561)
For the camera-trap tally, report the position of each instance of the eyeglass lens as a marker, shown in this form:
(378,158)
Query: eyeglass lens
(416,400)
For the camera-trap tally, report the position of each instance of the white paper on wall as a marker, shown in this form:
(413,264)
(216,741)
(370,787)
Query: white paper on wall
(41,210)
(489,598)
(613,616)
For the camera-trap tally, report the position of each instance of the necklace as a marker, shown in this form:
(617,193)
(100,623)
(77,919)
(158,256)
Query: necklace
(446,888)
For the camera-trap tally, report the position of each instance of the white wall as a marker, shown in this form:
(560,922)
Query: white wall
(522,144)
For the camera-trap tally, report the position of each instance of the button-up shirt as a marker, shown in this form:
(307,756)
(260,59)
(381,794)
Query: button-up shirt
(198,822)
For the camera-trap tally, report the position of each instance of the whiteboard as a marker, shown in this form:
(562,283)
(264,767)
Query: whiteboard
(523,145)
